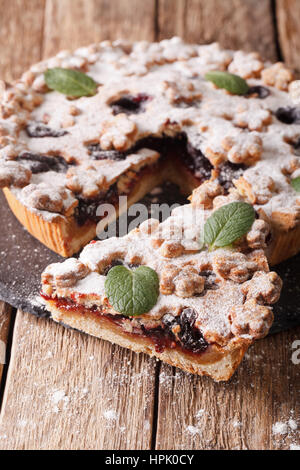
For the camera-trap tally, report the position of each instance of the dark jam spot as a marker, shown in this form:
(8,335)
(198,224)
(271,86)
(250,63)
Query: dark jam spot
(42,163)
(87,208)
(169,321)
(115,262)
(296,146)
(133,265)
(261,92)
(288,115)
(228,172)
(38,129)
(190,337)
(197,162)
(210,279)
(119,262)
(169,193)
(164,145)
(98,154)
(130,104)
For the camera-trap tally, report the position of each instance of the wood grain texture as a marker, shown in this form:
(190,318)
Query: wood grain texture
(5,319)
(237,24)
(200,414)
(21,31)
(66,390)
(73,23)
(288,17)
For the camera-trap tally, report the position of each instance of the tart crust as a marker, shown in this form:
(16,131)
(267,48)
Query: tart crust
(284,246)
(216,362)
(62,234)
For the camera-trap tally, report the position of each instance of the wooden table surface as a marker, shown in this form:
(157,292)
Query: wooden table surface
(63,390)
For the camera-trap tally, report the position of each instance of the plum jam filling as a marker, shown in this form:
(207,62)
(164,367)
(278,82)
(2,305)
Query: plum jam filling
(42,163)
(189,339)
(288,115)
(210,280)
(170,148)
(129,104)
(228,172)
(87,208)
(97,153)
(258,91)
(180,148)
(296,146)
(119,262)
(38,129)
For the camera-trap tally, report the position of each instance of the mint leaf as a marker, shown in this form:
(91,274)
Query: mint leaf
(132,292)
(228,224)
(230,82)
(296,184)
(70,82)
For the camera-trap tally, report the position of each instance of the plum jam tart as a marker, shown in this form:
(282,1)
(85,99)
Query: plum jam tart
(118,118)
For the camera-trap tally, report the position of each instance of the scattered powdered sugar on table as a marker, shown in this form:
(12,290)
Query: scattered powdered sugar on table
(193,430)
(60,400)
(280,428)
(199,413)
(294,447)
(237,424)
(110,415)
(287,432)
(285,427)
(293,424)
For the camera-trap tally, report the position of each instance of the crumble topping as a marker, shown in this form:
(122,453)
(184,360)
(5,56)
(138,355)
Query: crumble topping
(204,195)
(246,65)
(251,319)
(155,90)
(257,236)
(229,292)
(277,75)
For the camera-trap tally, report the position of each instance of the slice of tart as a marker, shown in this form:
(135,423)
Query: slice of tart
(161,291)
(142,113)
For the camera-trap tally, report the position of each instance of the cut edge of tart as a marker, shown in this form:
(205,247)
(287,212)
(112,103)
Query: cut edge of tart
(210,304)
(218,363)
(63,234)
(156,110)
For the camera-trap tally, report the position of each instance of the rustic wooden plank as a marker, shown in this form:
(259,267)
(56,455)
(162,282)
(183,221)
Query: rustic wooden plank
(5,319)
(21,31)
(73,23)
(21,27)
(67,390)
(236,24)
(288,17)
(200,414)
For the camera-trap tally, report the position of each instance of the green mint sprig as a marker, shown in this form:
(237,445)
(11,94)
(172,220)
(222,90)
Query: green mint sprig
(132,292)
(70,82)
(230,82)
(296,184)
(228,223)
